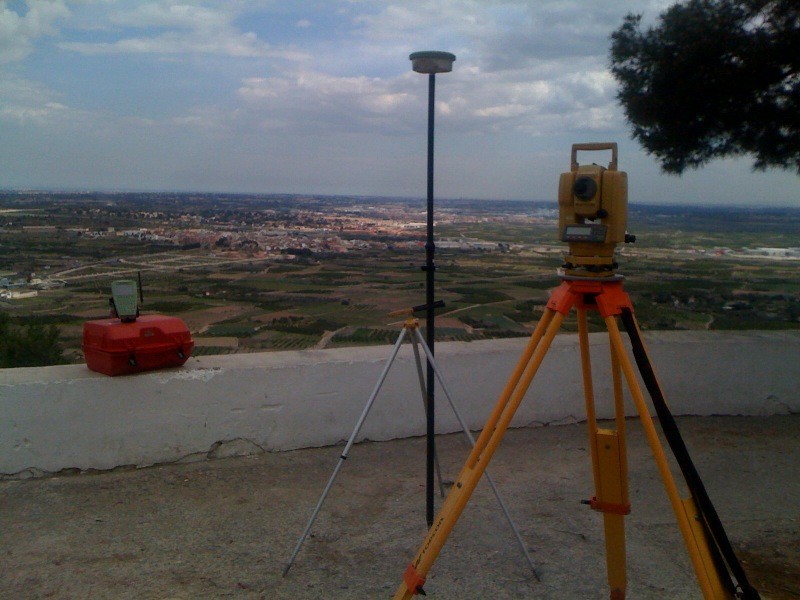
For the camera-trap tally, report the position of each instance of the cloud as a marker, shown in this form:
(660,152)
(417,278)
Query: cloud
(521,66)
(170,15)
(522,100)
(508,77)
(314,101)
(189,29)
(27,102)
(433,20)
(313,84)
(40,114)
(222,43)
(18,32)
(580,97)
(503,79)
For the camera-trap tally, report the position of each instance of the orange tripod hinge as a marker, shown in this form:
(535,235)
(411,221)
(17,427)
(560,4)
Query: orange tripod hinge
(413,580)
(606,297)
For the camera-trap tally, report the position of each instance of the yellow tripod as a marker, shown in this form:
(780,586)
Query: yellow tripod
(706,542)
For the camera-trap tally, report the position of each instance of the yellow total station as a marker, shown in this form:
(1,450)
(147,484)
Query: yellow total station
(593,213)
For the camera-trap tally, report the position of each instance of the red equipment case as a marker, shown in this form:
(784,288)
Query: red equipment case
(150,342)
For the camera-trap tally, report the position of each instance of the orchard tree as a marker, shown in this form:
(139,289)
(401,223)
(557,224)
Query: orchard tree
(713,78)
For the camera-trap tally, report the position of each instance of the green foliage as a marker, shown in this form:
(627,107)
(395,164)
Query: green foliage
(302,325)
(714,78)
(240,330)
(288,341)
(525,310)
(365,335)
(490,322)
(56,319)
(33,345)
(478,295)
(172,306)
(211,351)
(748,320)
(275,305)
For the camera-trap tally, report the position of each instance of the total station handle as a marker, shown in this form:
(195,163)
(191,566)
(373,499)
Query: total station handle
(592,146)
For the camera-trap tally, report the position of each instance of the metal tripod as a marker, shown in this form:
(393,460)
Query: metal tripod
(410,327)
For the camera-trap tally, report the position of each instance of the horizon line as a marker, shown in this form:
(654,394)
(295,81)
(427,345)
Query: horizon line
(377,197)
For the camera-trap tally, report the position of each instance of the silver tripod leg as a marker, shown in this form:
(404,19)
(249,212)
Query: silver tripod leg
(347,447)
(471,439)
(425,404)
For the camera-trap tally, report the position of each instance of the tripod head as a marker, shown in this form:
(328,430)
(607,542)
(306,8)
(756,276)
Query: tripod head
(593,213)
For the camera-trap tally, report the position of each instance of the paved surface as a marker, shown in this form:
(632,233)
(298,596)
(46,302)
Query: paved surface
(226,528)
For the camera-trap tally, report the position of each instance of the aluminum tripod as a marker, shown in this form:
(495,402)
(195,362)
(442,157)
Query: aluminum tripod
(410,327)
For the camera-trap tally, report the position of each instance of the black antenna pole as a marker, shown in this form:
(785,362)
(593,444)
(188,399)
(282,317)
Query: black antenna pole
(430,333)
(430,63)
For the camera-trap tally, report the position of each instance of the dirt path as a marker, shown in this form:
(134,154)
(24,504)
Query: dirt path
(326,339)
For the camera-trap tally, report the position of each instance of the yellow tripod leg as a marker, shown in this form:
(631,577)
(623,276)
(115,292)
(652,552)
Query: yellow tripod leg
(696,544)
(619,411)
(481,454)
(588,390)
(612,501)
(609,466)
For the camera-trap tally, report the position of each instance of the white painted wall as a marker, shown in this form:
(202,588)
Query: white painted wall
(54,418)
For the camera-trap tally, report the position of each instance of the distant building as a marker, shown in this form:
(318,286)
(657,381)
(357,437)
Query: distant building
(6,283)
(48,284)
(18,294)
(777,252)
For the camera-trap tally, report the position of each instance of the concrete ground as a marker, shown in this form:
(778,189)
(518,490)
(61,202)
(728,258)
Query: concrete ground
(226,528)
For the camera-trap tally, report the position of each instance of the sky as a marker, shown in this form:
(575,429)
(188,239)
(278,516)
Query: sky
(307,97)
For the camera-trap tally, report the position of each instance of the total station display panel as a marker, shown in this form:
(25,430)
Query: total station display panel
(594,232)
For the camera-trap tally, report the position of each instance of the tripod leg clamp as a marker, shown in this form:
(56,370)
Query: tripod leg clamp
(413,580)
(609,507)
